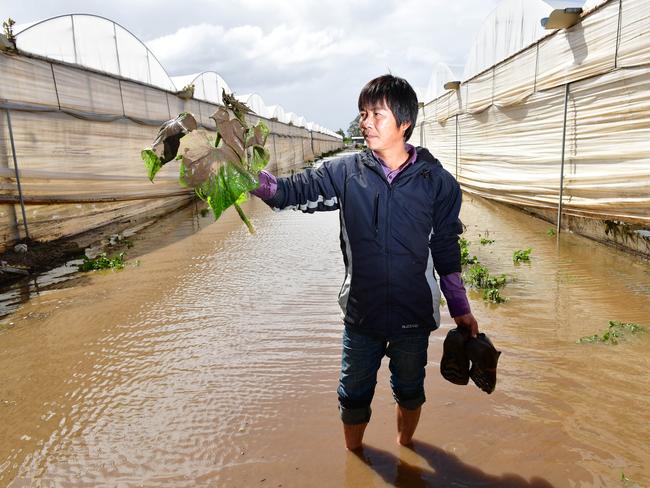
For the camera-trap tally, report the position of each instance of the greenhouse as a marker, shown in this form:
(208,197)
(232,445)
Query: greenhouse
(556,122)
(82,96)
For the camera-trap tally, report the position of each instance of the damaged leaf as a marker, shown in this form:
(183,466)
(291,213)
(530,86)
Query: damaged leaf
(221,171)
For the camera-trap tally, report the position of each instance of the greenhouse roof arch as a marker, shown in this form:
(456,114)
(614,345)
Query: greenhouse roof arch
(510,27)
(440,75)
(592,4)
(276,112)
(255,102)
(291,118)
(97,43)
(208,85)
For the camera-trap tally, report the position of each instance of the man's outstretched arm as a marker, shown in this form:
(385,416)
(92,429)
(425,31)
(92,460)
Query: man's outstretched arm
(308,191)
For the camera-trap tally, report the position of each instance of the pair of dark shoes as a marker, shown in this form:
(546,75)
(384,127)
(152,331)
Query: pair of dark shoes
(459,349)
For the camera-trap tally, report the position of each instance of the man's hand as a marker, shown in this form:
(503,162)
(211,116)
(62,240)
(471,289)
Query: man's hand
(468,321)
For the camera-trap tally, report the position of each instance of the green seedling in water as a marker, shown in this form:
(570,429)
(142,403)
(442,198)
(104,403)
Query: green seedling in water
(485,241)
(478,276)
(627,482)
(615,332)
(493,295)
(102,262)
(464,253)
(522,255)
(550,232)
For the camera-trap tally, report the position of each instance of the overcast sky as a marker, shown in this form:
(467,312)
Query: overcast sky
(312,57)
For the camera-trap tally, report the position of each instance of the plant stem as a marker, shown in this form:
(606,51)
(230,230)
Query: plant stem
(242,215)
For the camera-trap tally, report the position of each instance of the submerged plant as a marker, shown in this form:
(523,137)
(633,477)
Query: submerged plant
(493,295)
(465,259)
(522,255)
(102,261)
(478,276)
(485,241)
(221,170)
(550,231)
(614,333)
(627,482)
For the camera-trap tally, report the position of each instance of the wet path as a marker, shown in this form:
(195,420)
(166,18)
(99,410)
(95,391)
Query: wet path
(214,363)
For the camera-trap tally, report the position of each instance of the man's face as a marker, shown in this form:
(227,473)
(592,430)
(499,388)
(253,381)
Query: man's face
(379,128)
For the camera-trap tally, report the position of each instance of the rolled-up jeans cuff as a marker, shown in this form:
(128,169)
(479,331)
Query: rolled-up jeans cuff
(354,416)
(412,404)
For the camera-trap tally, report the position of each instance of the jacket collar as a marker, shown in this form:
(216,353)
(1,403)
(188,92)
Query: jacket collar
(423,155)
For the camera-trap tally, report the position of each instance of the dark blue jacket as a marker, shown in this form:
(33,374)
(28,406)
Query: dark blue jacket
(391,236)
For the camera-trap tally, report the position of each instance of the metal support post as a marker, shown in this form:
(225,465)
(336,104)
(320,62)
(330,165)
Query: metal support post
(559,206)
(456,117)
(20,190)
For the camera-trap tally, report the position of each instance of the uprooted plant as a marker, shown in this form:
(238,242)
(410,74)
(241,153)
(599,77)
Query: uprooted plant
(221,170)
(522,255)
(478,276)
(102,261)
(465,258)
(615,332)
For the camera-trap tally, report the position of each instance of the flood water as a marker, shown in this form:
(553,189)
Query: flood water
(214,362)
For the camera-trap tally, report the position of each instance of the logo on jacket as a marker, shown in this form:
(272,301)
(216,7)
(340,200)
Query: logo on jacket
(410,326)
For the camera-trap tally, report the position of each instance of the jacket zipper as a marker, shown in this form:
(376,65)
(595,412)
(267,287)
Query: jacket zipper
(376,214)
(386,243)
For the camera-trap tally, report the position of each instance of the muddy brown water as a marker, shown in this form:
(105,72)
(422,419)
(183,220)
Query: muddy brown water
(214,362)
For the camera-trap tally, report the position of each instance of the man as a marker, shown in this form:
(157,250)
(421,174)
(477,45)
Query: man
(399,219)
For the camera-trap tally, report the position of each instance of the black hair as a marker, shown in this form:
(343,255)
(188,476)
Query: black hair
(399,96)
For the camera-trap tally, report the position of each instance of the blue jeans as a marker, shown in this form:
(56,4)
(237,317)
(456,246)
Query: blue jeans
(360,360)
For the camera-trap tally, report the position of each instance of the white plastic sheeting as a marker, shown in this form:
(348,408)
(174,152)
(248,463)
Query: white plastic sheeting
(501,133)
(276,112)
(78,136)
(512,25)
(97,43)
(100,44)
(208,85)
(440,75)
(255,103)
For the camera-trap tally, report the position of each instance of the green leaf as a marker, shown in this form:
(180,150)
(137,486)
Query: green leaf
(151,162)
(102,261)
(522,255)
(615,332)
(261,157)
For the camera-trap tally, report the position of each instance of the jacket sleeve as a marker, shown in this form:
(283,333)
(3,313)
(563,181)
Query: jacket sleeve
(445,250)
(310,190)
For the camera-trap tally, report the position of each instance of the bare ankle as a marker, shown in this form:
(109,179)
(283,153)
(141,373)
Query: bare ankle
(354,436)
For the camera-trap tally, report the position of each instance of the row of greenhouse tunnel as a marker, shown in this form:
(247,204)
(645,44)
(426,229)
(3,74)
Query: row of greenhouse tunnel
(103,45)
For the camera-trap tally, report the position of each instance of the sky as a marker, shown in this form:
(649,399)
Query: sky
(310,56)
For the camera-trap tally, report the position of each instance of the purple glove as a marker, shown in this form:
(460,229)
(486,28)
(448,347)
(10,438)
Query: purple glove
(454,291)
(268,186)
